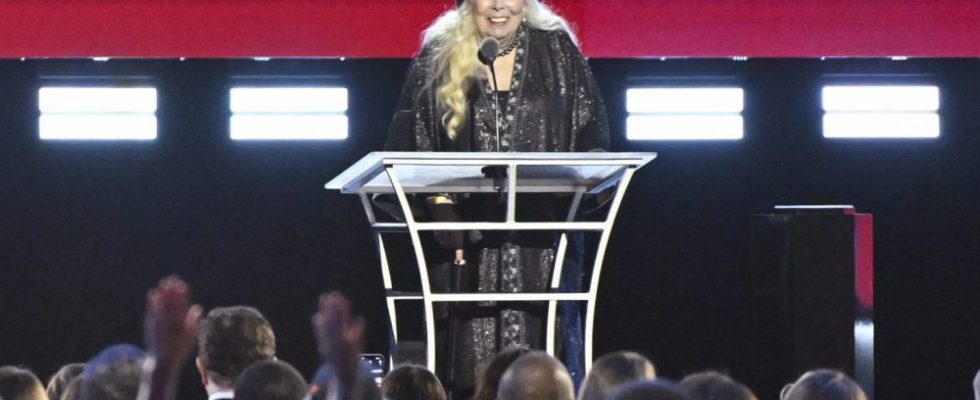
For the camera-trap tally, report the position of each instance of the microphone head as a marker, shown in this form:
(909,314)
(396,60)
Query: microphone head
(489,48)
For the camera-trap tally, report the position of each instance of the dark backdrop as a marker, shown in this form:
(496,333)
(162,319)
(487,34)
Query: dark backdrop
(87,227)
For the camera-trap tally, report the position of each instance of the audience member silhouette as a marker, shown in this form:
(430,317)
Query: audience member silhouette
(536,376)
(489,378)
(270,380)
(657,389)
(824,384)
(611,371)
(20,384)
(72,390)
(230,339)
(113,374)
(713,385)
(59,382)
(412,382)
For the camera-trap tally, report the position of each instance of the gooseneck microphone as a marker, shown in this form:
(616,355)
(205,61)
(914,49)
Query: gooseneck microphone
(487,54)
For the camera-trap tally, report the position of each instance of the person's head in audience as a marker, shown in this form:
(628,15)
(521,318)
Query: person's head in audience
(113,374)
(412,382)
(489,378)
(60,380)
(613,370)
(270,380)
(229,340)
(824,384)
(713,385)
(325,384)
(20,384)
(536,376)
(656,389)
(72,390)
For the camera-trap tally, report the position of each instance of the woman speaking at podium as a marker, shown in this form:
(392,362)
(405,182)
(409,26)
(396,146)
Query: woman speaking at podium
(543,99)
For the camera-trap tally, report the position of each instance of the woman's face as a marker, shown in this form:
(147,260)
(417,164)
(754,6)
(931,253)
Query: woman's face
(498,18)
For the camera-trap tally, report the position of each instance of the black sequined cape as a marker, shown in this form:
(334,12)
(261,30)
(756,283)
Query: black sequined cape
(554,104)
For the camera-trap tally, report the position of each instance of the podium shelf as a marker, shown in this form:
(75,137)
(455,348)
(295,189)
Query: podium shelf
(472,297)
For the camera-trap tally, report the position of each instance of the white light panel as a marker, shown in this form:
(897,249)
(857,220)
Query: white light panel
(684,100)
(881,111)
(684,113)
(289,113)
(288,100)
(97,113)
(98,127)
(97,99)
(880,98)
(288,127)
(684,127)
(881,125)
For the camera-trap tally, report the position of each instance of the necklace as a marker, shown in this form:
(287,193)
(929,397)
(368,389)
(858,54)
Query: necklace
(508,48)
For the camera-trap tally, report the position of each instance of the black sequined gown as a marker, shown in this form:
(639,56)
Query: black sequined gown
(554,104)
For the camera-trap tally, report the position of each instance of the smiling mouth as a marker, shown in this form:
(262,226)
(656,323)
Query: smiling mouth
(498,20)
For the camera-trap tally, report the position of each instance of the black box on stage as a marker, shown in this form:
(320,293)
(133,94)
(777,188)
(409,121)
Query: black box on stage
(812,292)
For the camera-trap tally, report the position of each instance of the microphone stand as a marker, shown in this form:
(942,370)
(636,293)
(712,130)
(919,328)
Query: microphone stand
(497,173)
(496,103)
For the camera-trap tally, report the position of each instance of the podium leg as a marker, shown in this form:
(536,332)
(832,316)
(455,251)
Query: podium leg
(597,267)
(413,231)
(553,304)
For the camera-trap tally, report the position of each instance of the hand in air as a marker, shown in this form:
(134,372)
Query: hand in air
(171,323)
(338,335)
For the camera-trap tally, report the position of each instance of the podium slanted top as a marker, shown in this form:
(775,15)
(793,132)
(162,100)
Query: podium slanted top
(421,172)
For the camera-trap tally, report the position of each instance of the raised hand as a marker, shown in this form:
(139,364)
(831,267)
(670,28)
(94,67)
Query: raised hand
(170,331)
(338,336)
(171,323)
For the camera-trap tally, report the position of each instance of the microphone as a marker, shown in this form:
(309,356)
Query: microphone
(489,48)
(487,54)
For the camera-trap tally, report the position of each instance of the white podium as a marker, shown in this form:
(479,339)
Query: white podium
(573,174)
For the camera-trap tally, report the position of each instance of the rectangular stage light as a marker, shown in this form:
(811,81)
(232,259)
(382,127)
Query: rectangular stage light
(684,127)
(684,113)
(881,125)
(288,113)
(97,113)
(881,111)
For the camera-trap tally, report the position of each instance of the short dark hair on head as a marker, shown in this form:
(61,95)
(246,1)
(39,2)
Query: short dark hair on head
(657,389)
(72,390)
(613,370)
(412,382)
(713,385)
(536,376)
(825,384)
(20,384)
(60,380)
(270,380)
(232,338)
(489,378)
(116,381)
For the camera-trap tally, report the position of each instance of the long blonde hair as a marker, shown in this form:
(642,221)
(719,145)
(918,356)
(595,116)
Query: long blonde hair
(454,39)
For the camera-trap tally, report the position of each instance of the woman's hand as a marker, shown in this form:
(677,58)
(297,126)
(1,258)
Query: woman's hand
(446,212)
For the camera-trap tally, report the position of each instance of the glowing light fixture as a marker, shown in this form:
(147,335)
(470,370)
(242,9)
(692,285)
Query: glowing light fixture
(288,113)
(684,113)
(881,111)
(97,113)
